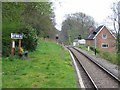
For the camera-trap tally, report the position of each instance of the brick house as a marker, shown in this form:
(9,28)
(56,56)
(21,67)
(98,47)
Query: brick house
(105,39)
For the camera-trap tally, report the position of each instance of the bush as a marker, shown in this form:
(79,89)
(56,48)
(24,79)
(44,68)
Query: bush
(83,47)
(106,55)
(6,50)
(93,49)
(109,56)
(29,41)
(118,58)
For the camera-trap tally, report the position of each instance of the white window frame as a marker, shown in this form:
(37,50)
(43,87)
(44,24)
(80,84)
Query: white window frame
(104,44)
(104,37)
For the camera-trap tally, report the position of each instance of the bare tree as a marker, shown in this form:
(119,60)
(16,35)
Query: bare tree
(118,35)
(116,23)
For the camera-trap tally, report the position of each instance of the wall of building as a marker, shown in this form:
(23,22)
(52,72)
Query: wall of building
(90,42)
(110,40)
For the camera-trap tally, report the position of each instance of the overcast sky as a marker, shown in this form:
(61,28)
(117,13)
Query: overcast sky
(98,9)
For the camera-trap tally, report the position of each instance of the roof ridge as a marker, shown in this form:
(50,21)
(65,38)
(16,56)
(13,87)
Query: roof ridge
(91,35)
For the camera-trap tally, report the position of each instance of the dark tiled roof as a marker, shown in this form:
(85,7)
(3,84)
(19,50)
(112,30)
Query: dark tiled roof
(91,35)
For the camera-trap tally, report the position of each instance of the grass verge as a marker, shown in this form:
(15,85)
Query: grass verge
(47,67)
(0,73)
(84,47)
(112,57)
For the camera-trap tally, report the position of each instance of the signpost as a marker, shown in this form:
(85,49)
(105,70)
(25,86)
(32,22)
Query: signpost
(57,38)
(95,40)
(16,36)
(13,46)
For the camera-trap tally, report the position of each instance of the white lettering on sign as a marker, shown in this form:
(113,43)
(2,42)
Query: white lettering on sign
(16,36)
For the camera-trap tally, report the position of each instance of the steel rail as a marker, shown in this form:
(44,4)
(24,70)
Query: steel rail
(103,68)
(92,81)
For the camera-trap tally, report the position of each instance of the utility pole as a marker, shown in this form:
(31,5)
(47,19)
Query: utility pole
(95,46)
(95,41)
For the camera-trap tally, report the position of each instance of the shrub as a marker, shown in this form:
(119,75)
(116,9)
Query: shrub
(109,56)
(6,45)
(118,58)
(93,49)
(105,55)
(83,47)
(6,50)
(29,41)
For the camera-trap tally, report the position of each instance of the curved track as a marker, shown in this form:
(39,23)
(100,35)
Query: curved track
(99,76)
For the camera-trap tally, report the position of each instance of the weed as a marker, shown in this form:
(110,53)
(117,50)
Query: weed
(118,58)
(108,56)
(113,58)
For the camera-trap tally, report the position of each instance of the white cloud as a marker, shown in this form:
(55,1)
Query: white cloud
(98,9)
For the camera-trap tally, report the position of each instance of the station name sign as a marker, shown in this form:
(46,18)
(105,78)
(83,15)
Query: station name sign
(16,36)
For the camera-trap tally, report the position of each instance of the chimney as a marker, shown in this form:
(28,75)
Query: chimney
(91,29)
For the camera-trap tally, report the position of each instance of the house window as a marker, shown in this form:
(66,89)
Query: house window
(104,36)
(105,45)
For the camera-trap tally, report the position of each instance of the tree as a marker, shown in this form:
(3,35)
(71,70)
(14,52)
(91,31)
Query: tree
(116,22)
(40,16)
(118,35)
(30,38)
(11,22)
(34,18)
(75,24)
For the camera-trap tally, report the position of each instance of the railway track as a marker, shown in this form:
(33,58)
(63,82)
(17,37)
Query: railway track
(98,75)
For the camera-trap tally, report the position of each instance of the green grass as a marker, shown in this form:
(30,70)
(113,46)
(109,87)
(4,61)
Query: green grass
(83,47)
(0,73)
(47,67)
(86,49)
(111,57)
(118,58)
